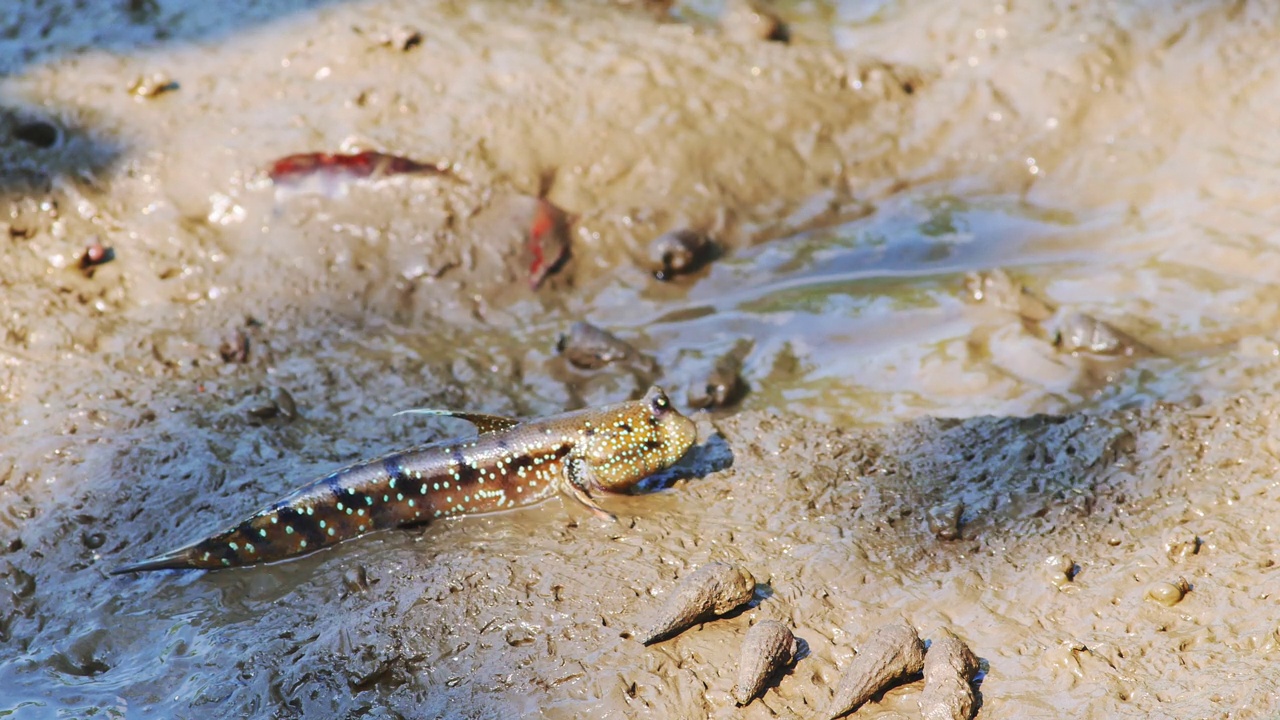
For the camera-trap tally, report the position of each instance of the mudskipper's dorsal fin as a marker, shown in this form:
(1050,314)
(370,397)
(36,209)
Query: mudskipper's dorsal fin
(484,423)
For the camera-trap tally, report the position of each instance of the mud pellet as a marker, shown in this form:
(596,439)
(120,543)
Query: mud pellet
(949,668)
(1169,593)
(714,589)
(944,520)
(888,655)
(768,647)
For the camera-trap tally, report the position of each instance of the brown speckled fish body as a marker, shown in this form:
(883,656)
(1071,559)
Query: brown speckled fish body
(509,464)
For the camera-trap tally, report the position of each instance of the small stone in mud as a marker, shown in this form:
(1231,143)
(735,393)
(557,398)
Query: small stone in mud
(944,520)
(995,287)
(1059,569)
(680,252)
(152,85)
(714,589)
(96,254)
(768,647)
(279,405)
(402,38)
(588,347)
(1169,593)
(747,21)
(1181,546)
(93,540)
(724,386)
(1075,332)
(356,579)
(891,653)
(235,349)
(284,403)
(949,668)
(261,412)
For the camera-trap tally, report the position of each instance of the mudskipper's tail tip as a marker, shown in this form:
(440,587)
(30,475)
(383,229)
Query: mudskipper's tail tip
(177,560)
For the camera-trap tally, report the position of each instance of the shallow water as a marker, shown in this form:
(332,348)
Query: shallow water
(1116,162)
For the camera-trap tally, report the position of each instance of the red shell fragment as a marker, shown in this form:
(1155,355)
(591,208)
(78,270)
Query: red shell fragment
(548,242)
(331,169)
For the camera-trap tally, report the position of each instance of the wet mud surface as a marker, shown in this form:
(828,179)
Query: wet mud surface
(183,339)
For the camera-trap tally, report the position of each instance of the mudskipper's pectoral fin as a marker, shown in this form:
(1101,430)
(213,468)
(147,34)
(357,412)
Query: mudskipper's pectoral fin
(484,423)
(577,478)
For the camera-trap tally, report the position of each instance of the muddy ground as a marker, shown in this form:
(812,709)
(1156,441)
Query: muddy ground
(245,337)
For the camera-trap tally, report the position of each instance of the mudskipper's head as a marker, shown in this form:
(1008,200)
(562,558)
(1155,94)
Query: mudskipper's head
(633,440)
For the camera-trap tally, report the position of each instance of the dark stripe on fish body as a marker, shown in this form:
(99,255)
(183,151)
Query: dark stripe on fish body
(466,474)
(304,526)
(334,483)
(394,469)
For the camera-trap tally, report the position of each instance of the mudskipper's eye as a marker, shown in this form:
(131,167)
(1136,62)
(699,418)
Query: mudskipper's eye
(660,403)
